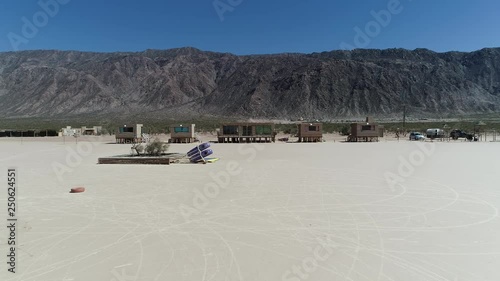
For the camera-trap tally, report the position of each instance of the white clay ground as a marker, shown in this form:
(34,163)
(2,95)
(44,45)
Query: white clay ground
(289,212)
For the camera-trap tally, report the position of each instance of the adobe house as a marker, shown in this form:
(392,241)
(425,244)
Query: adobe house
(70,132)
(246,132)
(366,131)
(129,134)
(310,132)
(182,134)
(91,131)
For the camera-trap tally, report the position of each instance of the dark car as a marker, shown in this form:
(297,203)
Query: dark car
(456,134)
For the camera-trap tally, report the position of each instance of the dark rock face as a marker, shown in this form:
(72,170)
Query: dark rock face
(191,83)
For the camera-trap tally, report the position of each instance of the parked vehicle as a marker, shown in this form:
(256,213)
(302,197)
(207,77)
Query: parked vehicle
(456,134)
(416,136)
(471,137)
(435,133)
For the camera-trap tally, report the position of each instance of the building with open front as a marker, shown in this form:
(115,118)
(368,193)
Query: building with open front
(92,131)
(246,132)
(182,134)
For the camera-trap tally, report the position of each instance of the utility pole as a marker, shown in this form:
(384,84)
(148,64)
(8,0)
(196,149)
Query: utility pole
(404,117)
(403,99)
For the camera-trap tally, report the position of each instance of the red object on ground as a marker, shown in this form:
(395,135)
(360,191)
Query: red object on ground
(77,190)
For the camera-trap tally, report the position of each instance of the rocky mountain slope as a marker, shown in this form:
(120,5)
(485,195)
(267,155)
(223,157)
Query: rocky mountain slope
(191,83)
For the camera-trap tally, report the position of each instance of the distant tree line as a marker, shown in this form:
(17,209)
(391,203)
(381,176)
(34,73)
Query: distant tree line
(28,133)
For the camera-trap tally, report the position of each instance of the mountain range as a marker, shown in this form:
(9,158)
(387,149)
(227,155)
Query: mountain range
(188,82)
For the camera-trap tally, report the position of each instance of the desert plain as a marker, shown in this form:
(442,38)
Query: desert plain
(385,211)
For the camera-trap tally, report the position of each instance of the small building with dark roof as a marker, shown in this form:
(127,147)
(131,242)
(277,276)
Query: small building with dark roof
(310,132)
(367,131)
(129,134)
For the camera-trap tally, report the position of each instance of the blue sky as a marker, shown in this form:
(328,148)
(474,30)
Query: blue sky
(249,26)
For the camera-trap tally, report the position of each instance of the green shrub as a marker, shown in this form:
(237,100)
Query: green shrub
(345,131)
